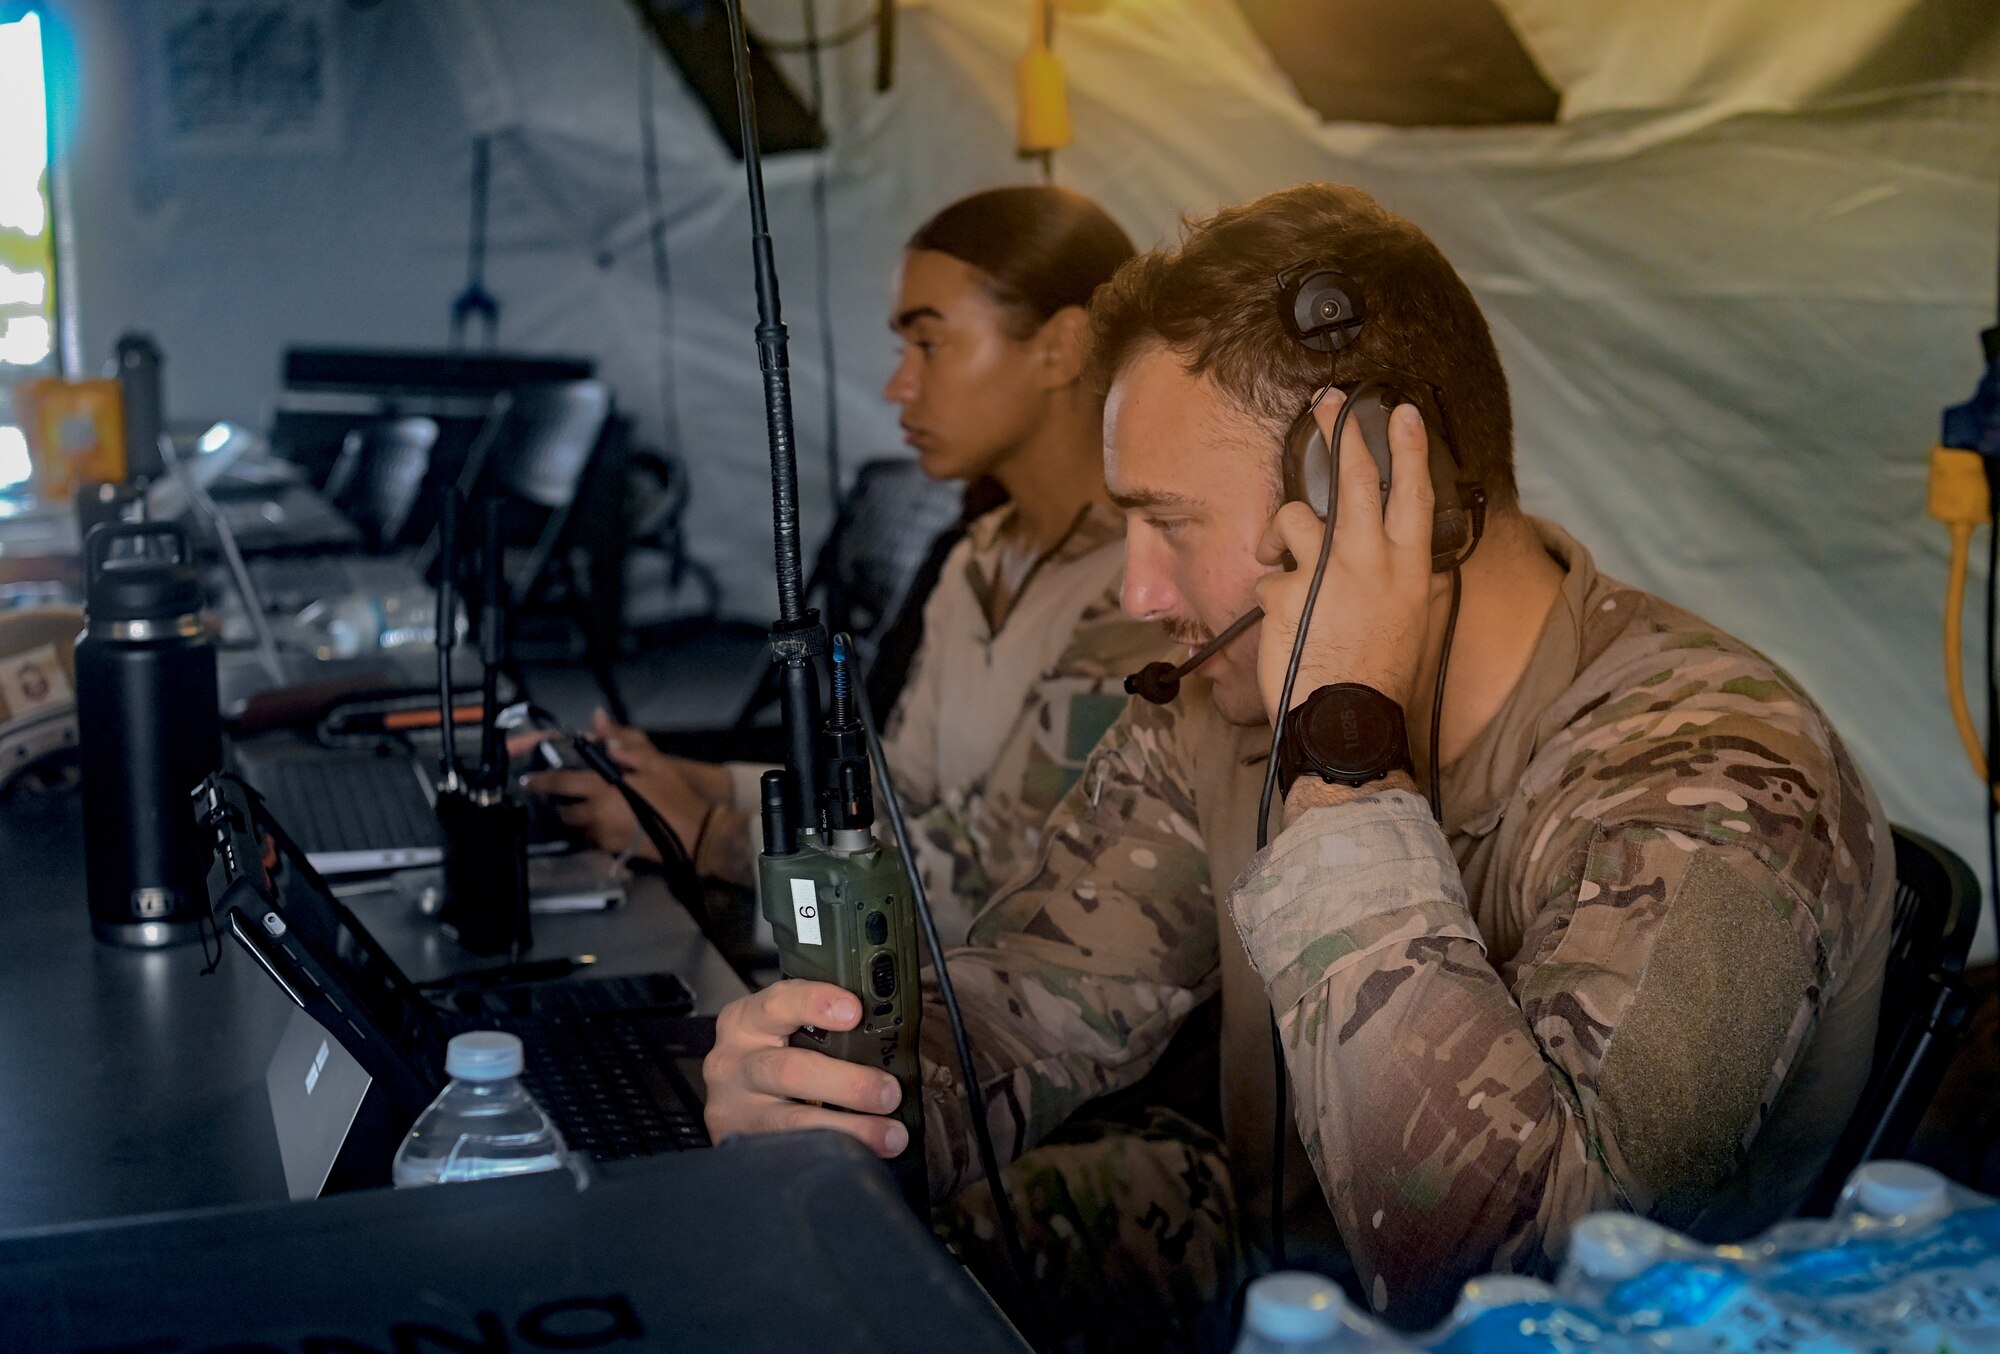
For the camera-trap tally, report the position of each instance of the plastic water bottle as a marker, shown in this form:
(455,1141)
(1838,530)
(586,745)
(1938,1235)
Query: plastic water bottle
(484,1124)
(1649,1287)
(353,624)
(1292,1312)
(1606,1249)
(1899,1193)
(1914,1266)
(1517,1314)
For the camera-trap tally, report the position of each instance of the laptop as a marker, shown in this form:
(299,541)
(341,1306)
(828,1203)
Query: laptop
(351,810)
(371,808)
(287,585)
(614,1061)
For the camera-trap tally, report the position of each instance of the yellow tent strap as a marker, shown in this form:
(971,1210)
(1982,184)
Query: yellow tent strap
(1959,498)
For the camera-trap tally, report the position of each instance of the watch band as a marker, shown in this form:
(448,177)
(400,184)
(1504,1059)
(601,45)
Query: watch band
(1346,734)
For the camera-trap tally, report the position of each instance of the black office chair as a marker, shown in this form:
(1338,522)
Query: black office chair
(377,475)
(1926,1007)
(553,456)
(876,553)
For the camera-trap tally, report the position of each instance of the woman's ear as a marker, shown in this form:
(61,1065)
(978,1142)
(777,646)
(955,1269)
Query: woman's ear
(1062,344)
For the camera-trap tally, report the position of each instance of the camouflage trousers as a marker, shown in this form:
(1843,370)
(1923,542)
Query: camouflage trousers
(1130,1230)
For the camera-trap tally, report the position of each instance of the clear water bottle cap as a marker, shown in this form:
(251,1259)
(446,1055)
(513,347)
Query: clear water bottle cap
(1893,1189)
(1294,1307)
(1616,1245)
(483,1055)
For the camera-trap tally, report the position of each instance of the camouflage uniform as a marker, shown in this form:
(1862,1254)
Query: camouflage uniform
(1638,968)
(995,722)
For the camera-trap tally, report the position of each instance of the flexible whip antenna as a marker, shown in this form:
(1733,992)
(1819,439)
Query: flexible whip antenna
(798,637)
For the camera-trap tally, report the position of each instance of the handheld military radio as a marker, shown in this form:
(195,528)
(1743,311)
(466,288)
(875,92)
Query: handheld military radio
(839,902)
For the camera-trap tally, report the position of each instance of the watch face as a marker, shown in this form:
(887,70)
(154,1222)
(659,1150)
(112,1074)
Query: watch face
(1347,735)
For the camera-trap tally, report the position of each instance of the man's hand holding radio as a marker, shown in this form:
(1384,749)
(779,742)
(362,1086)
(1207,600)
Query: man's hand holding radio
(1371,621)
(758,1083)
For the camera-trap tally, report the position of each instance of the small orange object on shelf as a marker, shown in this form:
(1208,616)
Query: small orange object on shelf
(76,434)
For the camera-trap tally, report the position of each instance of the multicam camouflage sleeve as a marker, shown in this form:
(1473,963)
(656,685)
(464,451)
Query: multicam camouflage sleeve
(969,839)
(1459,1117)
(1076,976)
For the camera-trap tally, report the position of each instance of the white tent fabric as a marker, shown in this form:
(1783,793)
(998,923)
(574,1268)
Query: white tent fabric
(1733,294)
(1716,57)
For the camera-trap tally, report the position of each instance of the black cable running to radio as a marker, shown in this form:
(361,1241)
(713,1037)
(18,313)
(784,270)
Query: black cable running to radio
(1305,619)
(676,862)
(1279,1108)
(1432,792)
(989,1159)
(444,635)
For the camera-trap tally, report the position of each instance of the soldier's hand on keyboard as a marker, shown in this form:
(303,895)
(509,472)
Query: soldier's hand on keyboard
(587,802)
(758,1083)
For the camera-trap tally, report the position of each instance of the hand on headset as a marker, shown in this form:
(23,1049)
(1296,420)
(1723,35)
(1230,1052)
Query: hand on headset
(1371,620)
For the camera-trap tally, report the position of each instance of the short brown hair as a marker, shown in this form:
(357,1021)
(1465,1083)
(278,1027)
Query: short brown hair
(1213,303)
(1041,248)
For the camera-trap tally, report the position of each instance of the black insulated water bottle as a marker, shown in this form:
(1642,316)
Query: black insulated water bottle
(148,721)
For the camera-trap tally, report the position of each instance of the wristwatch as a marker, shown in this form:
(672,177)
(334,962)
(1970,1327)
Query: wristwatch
(1346,734)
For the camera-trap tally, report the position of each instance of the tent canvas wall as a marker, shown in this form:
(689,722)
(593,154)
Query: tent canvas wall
(1734,282)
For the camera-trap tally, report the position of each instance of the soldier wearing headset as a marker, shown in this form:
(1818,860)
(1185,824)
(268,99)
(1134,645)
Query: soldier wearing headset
(1631,958)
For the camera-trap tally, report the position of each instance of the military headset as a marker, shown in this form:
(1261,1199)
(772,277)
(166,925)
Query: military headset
(1323,310)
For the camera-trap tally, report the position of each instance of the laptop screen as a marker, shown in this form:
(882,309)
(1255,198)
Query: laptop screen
(368,977)
(395,1007)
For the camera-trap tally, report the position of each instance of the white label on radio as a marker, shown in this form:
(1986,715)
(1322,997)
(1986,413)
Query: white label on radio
(805,910)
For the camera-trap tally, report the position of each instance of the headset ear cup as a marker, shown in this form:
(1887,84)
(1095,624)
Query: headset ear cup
(1307,466)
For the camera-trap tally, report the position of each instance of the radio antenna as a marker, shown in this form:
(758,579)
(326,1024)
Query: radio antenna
(797,638)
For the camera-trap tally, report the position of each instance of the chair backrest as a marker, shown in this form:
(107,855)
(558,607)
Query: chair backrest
(1937,915)
(380,471)
(534,455)
(887,524)
(885,545)
(545,442)
(1925,1006)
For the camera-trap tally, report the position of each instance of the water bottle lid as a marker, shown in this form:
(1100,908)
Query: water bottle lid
(483,1055)
(160,585)
(1888,1189)
(1616,1245)
(1294,1306)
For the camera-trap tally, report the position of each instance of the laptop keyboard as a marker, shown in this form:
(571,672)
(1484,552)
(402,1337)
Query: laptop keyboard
(610,1084)
(288,585)
(660,992)
(336,803)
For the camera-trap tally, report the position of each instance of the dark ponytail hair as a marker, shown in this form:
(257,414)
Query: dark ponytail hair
(1040,247)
